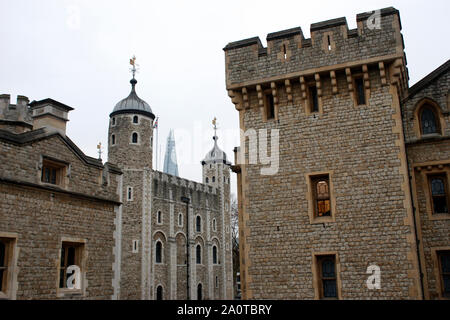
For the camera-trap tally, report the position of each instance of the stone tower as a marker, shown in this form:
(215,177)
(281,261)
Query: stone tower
(339,200)
(130,147)
(216,173)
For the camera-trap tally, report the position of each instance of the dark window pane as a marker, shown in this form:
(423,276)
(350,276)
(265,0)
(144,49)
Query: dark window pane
(199,254)
(314,99)
(2,254)
(158,252)
(135,138)
(328,269)
(428,121)
(360,94)
(445,263)
(440,205)
(199,224)
(329,289)
(270,107)
(437,187)
(159,293)
(214,255)
(70,256)
(62,280)
(199,292)
(63,256)
(447,285)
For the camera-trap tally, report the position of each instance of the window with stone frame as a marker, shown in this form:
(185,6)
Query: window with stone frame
(360,92)
(198,254)
(438,186)
(159,217)
(180,220)
(321,196)
(6,248)
(158,252)
(134,138)
(53,172)
(135,119)
(214,254)
(198,224)
(313,99)
(71,255)
(327,277)
(429,123)
(444,271)
(159,293)
(269,106)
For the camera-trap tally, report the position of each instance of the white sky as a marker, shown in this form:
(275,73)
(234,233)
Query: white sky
(77,52)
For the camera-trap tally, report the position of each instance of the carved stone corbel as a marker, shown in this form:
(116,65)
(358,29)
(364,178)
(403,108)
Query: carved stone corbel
(288,86)
(333,82)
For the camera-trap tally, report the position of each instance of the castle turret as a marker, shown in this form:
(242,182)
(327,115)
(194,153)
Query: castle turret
(130,147)
(216,173)
(131,132)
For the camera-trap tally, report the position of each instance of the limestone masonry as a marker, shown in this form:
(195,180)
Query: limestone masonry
(122,224)
(362,186)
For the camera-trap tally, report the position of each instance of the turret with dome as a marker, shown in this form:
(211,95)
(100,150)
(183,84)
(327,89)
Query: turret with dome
(131,130)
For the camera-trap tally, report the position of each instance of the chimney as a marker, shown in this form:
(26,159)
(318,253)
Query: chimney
(51,114)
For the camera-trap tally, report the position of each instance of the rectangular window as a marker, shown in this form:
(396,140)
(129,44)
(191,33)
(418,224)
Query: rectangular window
(130,194)
(327,276)
(444,268)
(360,91)
(321,196)
(313,99)
(52,172)
(270,107)
(71,255)
(6,247)
(439,193)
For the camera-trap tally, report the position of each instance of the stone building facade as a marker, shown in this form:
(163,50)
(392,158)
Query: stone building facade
(58,207)
(334,203)
(156,261)
(122,224)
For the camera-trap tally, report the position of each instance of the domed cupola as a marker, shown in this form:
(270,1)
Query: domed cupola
(215,155)
(133,104)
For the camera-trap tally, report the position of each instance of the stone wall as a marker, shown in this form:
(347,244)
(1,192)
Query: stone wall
(40,216)
(429,155)
(361,147)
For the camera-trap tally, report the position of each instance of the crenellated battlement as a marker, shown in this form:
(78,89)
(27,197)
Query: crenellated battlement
(332,47)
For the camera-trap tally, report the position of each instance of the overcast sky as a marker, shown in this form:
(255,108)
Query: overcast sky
(77,52)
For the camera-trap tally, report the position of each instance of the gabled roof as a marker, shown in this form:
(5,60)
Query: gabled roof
(44,133)
(428,79)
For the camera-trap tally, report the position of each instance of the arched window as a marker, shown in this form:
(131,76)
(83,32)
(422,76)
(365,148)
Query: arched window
(135,119)
(214,225)
(134,138)
(159,293)
(113,139)
(199,291)
(198,252)
(198,224)
(207,180)
(158,252)
(214,249)
(113,121)
(180,220)
(439,194)
(213,179)
(428,120)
